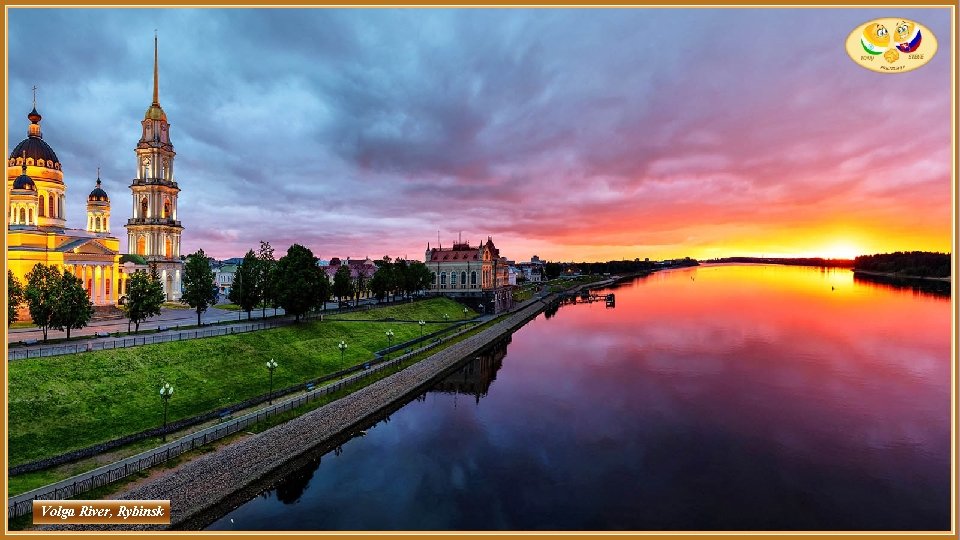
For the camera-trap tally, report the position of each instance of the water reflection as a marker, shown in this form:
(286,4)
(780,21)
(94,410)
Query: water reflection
(918,287)
(713,398)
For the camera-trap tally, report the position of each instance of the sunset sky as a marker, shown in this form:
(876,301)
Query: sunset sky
(570,134)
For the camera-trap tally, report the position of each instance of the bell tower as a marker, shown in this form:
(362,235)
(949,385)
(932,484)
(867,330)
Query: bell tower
(154,230)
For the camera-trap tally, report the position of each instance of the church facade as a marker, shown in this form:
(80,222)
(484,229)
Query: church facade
(37,231)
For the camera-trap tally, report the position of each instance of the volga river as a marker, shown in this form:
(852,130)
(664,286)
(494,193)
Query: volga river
(713,398)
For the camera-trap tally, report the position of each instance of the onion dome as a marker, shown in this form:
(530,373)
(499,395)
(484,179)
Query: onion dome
(98,194)
(24,182)
(34,147)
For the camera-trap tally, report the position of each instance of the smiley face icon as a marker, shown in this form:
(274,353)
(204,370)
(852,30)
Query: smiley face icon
(907,36)
(875,38)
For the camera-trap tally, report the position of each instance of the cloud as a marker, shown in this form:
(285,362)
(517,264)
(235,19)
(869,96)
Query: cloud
(369,130)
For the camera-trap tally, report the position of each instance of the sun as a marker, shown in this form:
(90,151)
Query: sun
(841,250)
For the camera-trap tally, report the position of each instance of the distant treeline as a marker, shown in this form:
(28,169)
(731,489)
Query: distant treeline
(805,261)
(906,263)
(553,270)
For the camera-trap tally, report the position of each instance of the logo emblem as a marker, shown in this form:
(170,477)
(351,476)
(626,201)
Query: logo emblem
(891,45)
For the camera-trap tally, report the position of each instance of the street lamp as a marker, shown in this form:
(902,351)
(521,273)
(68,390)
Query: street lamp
(389,338)
(271,365)
(421,323)
(446,317)
(343,347)
(465,311)
(165,392)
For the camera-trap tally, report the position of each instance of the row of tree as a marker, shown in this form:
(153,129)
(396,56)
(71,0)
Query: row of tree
(54,299)
(907,263)
(298,284)
(295,283)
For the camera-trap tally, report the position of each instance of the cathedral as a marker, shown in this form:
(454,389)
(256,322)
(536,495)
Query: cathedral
(37,229)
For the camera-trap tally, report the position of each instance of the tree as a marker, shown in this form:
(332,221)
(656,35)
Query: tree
(552,270)
(361,283)
(342,284)
(399,274)
(144,298)
(43,284)
(297,279)
(380,282)
(265,282)
(246,290)
(199,290)
(14,297)
(418,277)
(74,308)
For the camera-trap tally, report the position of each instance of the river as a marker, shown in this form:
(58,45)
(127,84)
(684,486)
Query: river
(721,397)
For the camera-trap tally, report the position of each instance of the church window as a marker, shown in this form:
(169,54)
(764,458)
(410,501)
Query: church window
(23,215)
(166,208)
(29,161)
(29,216)
(49,164)
(473,279)
(463,279)
(52,214)
(143,207)
(41,205)
(96,225)
(107,286)
(141,246)
(453,279)
(167,248)
(443,279)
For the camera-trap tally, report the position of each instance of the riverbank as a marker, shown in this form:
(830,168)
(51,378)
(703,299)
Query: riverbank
(895,276)
(211,483)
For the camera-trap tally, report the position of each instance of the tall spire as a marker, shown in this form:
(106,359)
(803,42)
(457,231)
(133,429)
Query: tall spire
(156,72)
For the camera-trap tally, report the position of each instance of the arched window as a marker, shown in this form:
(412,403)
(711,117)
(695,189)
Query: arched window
(167,248)
(463,279)
(96,224)
(52,203)
(443,279)
(23,215)
(41,205)
(473,279)
(166,208)
(29,216)
(142,245)
(453,279)
(143,207)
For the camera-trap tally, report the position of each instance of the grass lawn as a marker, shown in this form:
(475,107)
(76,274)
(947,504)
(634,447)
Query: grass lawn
(175,305)
(62,403)
(23,324)
(230,307)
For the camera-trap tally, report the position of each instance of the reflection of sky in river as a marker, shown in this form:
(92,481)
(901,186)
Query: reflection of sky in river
(712,398)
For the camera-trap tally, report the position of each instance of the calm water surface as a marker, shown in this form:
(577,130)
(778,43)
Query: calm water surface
(718,397)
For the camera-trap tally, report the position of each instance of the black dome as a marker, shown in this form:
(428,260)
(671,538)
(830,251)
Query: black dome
(24,182)
(37,149)
(98,194)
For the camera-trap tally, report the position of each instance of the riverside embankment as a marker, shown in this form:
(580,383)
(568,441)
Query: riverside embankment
(208,484)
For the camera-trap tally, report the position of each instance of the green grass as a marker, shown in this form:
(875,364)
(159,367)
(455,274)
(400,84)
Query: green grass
(175,305)
(230,307)
(62,403)
(23,324)
(409,312)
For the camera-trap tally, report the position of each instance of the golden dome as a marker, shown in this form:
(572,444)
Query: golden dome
(155,112)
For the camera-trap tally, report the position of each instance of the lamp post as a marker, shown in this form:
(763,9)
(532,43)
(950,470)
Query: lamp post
(421,323)
(343,347)
(389,338)
(465,311)
(446,317)
(166,390)
(271,365)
